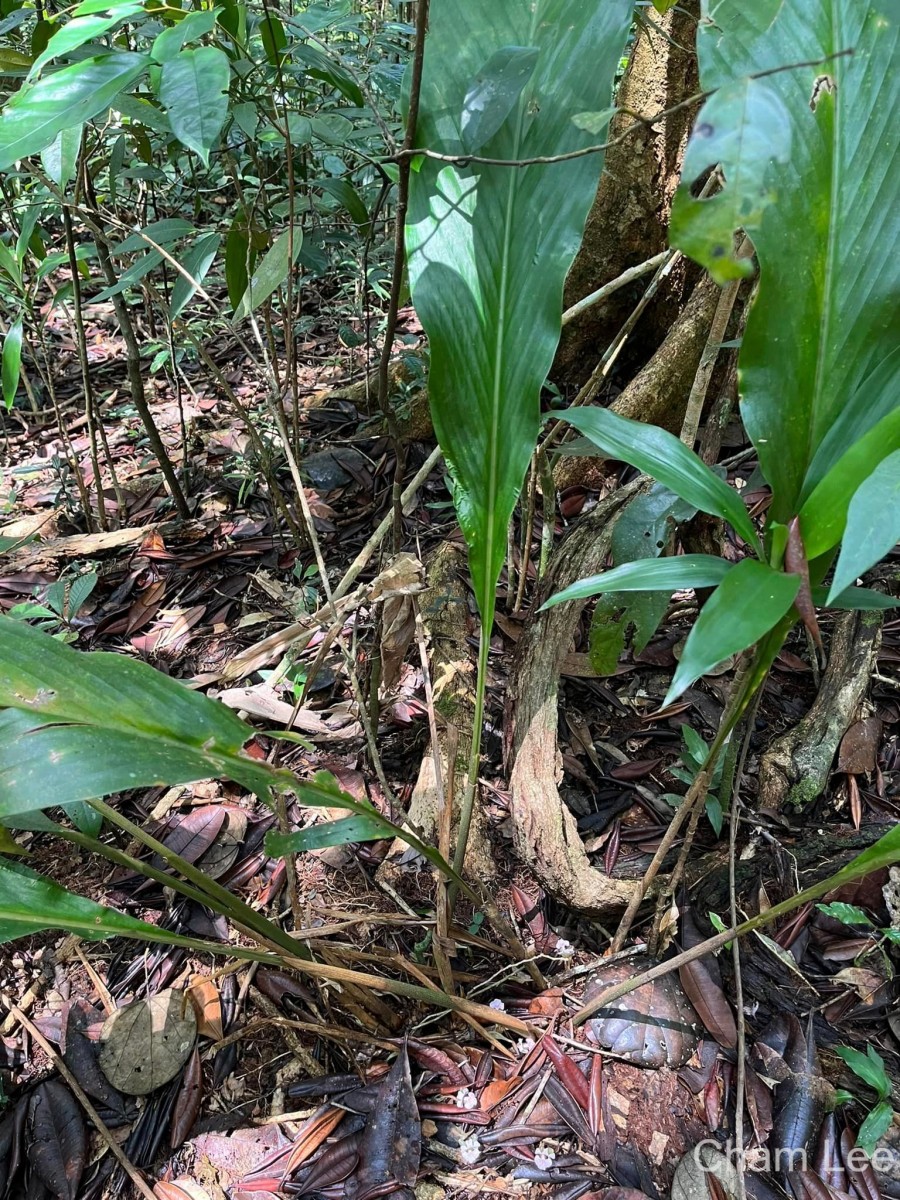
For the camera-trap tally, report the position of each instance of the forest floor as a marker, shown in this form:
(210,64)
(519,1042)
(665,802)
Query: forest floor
(298,1089)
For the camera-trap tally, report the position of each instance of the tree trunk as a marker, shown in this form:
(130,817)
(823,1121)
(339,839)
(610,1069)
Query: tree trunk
(629,219)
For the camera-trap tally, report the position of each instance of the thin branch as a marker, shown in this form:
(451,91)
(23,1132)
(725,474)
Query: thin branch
(465,160)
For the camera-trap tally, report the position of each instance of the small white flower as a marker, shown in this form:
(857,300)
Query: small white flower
(498,1006)
(466,1098)
(544,1157)
(470,1150)
(525,1045)
(564,949)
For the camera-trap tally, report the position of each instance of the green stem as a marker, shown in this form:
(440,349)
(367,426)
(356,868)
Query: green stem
(468,804)
(217,897)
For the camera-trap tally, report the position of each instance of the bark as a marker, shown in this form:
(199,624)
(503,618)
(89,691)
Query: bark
(445,611)
(795,768)
(544,831)
(628,222)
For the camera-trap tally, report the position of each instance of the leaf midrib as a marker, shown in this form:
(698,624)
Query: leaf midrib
(515,173)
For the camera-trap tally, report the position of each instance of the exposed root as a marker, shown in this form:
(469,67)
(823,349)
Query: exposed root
(794,770)
(446,614)
(544,830)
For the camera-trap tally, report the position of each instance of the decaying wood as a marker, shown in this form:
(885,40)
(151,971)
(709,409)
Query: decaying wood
(794,770)
(544,830)
(445,611)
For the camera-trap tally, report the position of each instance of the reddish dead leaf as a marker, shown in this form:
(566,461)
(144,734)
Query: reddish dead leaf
(336,1163)
(432,1058)
(205,998)
(639,769)
(187,1103)
(181,1189)
(858,754)
(571,1077)
(863,1178)
(391,1145)
(192,833)
(702,981)
(58,1141)
(497,1090)
(312,1134)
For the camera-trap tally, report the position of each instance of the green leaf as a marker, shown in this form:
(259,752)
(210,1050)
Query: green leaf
(330,833)
(667,459)
(320,66)
(91,724)
(869,1067)
(60,158)
(746,128)
(657,574)
(271,273)
(135,273)
(325,792)
(237,252)
(856,598)
(194,89)
(79,592)
(847,914)
(489,247)
(347,195)
(495,89)
(197,263)
(11,363)
(823,516)
(38,111)
(30,903)
(826,315)
(75,33)
(164,233)
(876,1124)
(749,602)
(274,39)
(873,524)
(195,25)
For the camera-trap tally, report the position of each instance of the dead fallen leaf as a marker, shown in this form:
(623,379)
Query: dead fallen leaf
(146,1043)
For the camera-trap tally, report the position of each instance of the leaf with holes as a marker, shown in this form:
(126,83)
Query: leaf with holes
(146,1043)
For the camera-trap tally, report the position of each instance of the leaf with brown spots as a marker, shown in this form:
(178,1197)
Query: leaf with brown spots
(58,1141)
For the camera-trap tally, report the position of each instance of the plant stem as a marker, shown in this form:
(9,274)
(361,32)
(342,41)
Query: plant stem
(218,897)
(468,804)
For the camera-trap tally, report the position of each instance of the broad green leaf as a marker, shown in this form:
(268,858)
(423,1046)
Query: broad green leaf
(60,158)
(142,112)
(13,62)
(195,25)
(489,247)
(826,314)
(271,273)
(656,574)
(347,195)
(875,1126)
(11,363)
(848,914)
(750,601)
(869,1067)
(38,111)
(325,792)
(237,253)
(30,903)
(75,33)
(101,722)
(823,517)
(329,833)
(873,524)
(164,233)
(194,89)
(197,263)
(10,264)
(274,39)
(8,844)
(667,459)
(320,66)
(79,591)
(494,91)
(858,598)
(135,273)
(746,128)
(873,400)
